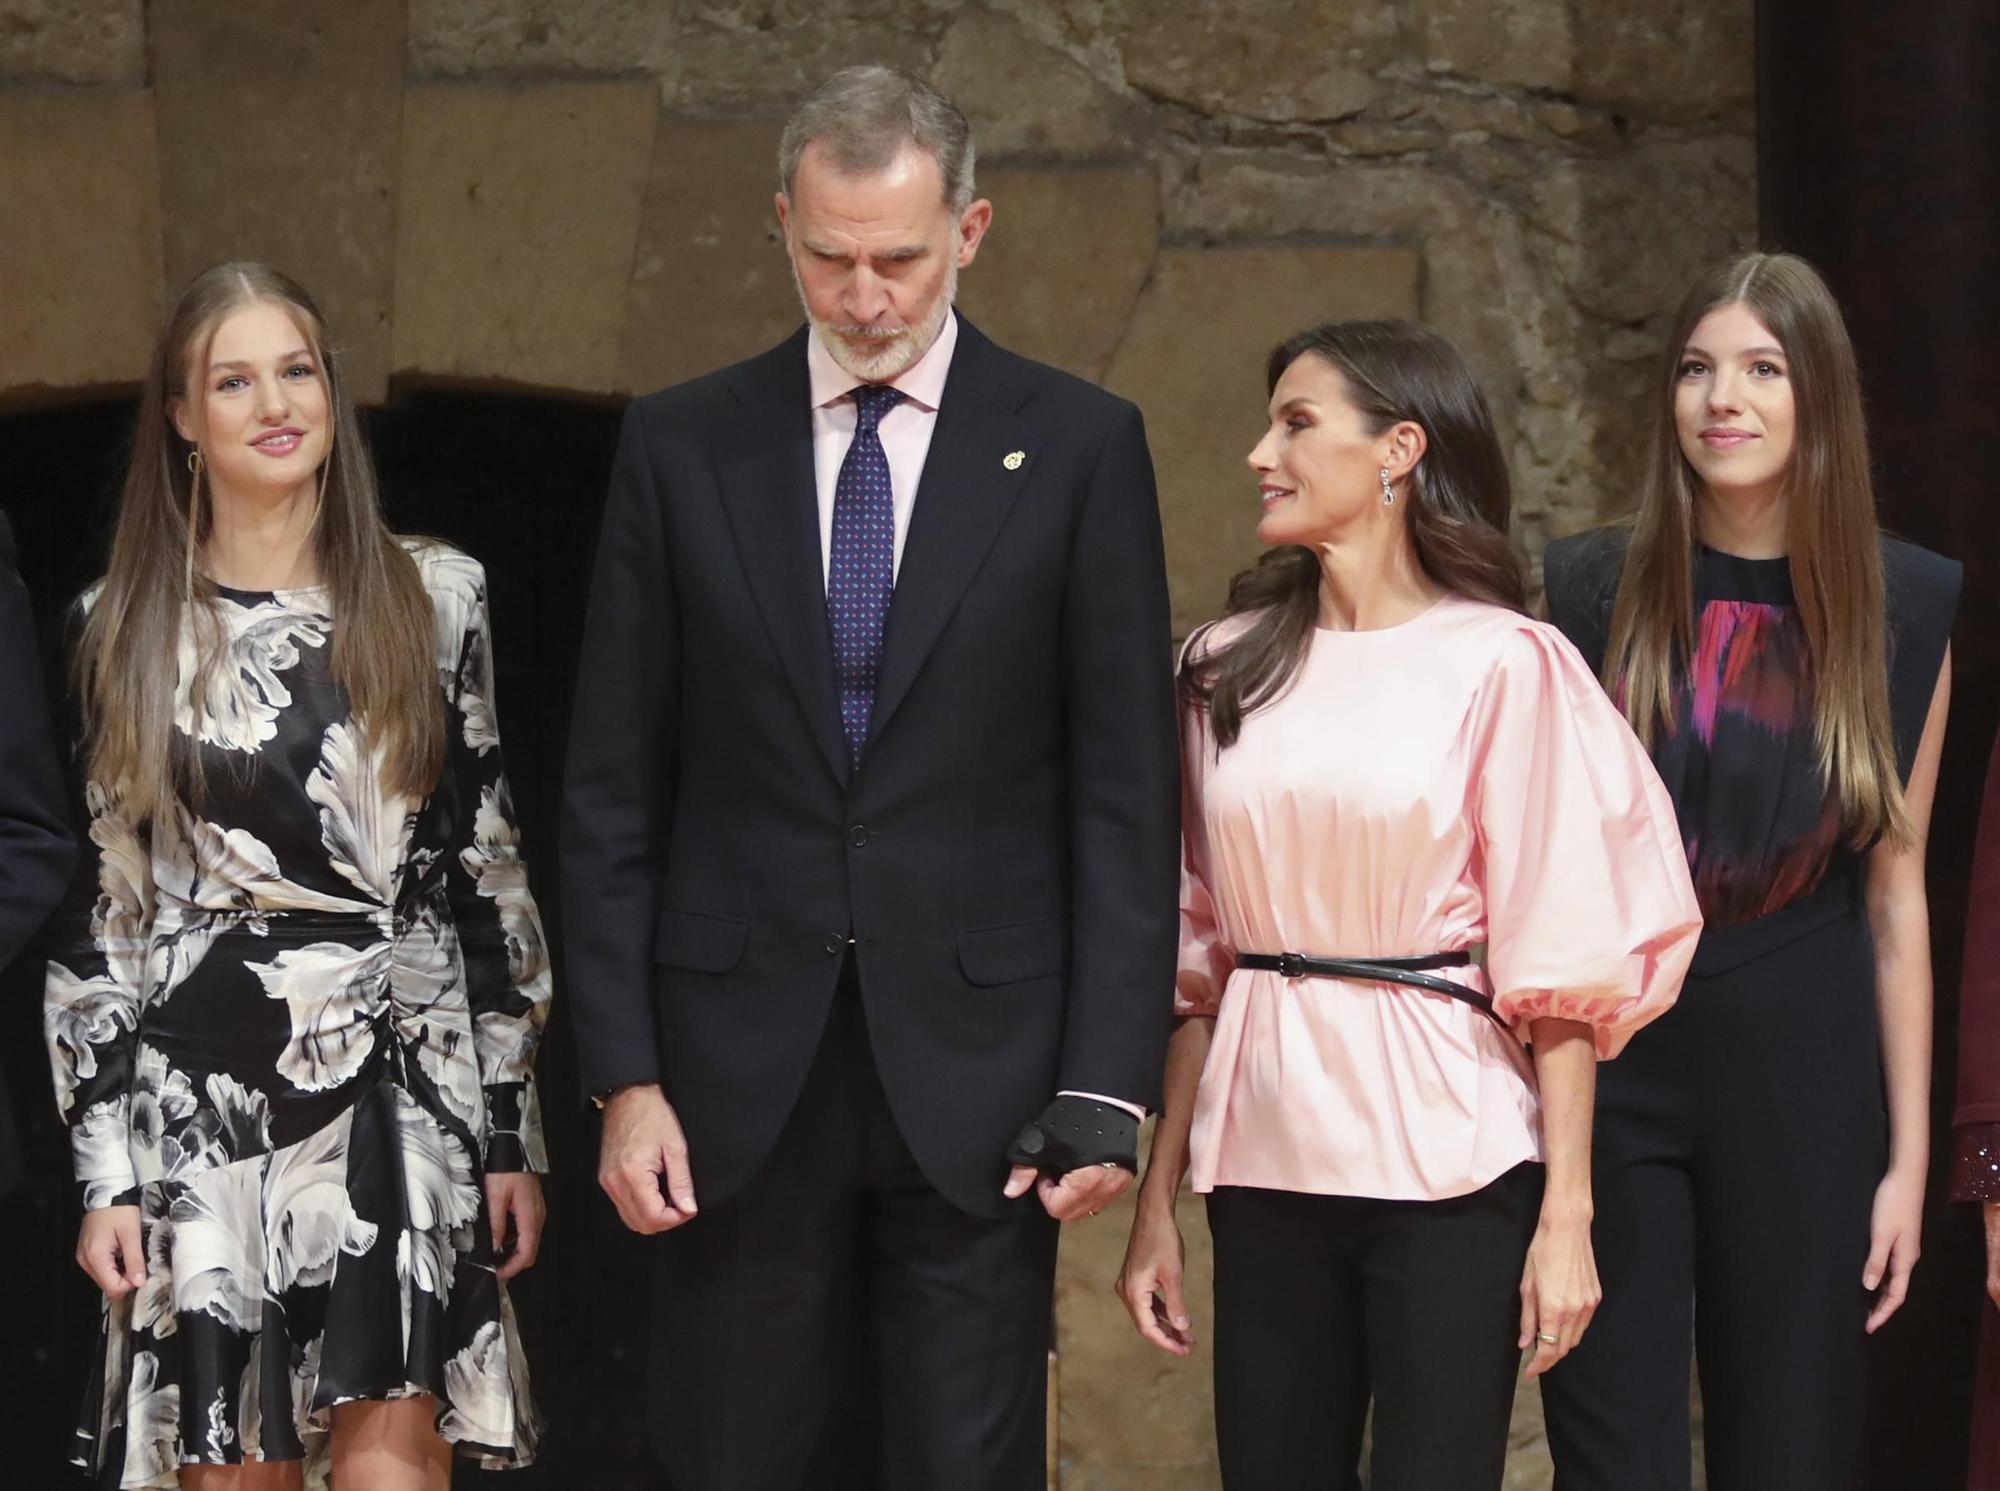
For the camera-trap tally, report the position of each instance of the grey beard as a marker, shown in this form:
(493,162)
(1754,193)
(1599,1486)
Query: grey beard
(894,353)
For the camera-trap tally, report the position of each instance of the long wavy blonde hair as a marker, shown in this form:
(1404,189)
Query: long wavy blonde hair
(126,660)
(1834,544)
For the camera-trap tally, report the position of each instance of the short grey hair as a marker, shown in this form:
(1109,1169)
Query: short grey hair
(864,116)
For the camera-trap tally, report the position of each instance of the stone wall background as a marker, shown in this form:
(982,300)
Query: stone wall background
(575,197)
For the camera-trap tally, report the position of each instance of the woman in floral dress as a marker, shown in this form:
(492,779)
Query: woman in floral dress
(293,1004)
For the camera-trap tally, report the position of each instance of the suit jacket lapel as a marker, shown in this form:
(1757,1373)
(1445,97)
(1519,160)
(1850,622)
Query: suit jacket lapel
(963,498)
(764,463)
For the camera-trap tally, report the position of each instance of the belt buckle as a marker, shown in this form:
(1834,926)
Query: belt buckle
(1292,965)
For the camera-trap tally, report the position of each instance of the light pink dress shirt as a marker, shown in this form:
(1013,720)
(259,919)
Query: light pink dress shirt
(905,432)
(1460,779)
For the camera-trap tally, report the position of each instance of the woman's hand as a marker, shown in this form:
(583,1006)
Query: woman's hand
(107,1248)
(1150,1283)
(1895,1232)
(1559,1288)
(515,1210)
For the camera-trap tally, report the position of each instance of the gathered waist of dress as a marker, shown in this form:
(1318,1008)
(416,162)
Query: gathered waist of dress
(307,923)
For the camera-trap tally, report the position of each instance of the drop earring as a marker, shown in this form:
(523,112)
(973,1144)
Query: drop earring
(1388,492)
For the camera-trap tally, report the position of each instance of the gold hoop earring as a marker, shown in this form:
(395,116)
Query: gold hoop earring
(195,463)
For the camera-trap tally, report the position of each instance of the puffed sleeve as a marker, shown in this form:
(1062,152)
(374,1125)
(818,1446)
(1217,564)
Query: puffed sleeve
(1591,915)
(1206,960)
(499,927)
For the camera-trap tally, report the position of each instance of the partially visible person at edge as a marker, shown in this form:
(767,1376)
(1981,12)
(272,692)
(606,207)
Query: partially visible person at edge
(1788,667)
(37,847)
(294,998)
(1387,764)
(1975,1162)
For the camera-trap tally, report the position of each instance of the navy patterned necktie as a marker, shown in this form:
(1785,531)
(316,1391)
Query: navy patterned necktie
(861,565)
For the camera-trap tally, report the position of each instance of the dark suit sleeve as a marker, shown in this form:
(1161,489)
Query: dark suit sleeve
(36,847)
(1124,781)
(618,777)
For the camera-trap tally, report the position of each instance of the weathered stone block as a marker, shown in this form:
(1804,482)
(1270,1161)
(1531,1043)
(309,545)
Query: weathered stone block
(80,267)
(1636,228)
(768,55)
(317,199)
(1193,360)
(95,42)
(519,224)
(1024,98)
(1524,43)
(711,283)
(1058,275)
(1676,61)
(459,38)
(1280,60)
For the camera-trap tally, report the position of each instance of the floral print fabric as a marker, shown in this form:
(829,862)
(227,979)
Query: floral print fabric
(295,1026)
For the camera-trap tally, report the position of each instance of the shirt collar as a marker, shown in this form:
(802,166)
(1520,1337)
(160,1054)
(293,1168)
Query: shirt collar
(922,383)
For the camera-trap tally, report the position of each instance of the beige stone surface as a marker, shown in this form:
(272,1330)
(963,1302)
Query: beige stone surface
(537,38)
(1521,42)
(1267,59)
(319,199)
(520,222)
(1678,61)
(711,283)
(1131,1416)
(80,276)
(99,43)
(764,54)
(1059,273)
(1193,360)
(1024,98)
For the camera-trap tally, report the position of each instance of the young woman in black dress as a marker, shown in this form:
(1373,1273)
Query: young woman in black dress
(293,1005)
(1789,669)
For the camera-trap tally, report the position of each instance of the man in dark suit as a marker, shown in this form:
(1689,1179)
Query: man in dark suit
(36,850)
(870,842)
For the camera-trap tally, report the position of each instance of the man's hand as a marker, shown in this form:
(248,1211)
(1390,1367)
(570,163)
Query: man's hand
(1080,1193)
(643,1162)
(515,1211)
(1078,1154)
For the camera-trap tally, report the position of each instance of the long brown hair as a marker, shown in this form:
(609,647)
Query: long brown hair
(127,655)
(1457,508)
(1832,539)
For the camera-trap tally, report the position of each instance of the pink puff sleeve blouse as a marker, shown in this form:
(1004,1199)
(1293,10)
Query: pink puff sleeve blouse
(1456,782)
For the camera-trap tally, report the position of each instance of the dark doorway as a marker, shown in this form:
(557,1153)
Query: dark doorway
(518,482)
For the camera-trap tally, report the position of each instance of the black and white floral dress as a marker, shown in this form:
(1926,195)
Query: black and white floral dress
(296,1025)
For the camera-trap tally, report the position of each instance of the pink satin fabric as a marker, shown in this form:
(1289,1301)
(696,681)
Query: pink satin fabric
(1460,779)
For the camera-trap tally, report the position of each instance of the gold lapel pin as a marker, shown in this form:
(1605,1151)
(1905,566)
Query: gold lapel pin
(1013,459)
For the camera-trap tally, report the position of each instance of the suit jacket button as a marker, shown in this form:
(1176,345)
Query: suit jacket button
(858,836)
(835,944)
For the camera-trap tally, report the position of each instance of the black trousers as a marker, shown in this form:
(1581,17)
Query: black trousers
(841,1326)
(1739,1141)
(1324,1303)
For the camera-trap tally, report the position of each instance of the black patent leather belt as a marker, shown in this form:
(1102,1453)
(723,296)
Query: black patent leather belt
(1412,973)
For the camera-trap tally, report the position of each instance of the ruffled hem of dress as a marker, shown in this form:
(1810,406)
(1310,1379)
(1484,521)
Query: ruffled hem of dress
(375,1230)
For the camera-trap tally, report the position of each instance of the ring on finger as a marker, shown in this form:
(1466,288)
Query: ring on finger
(1548,1340)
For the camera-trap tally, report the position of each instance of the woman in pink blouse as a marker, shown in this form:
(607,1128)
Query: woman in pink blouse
(1388,769)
